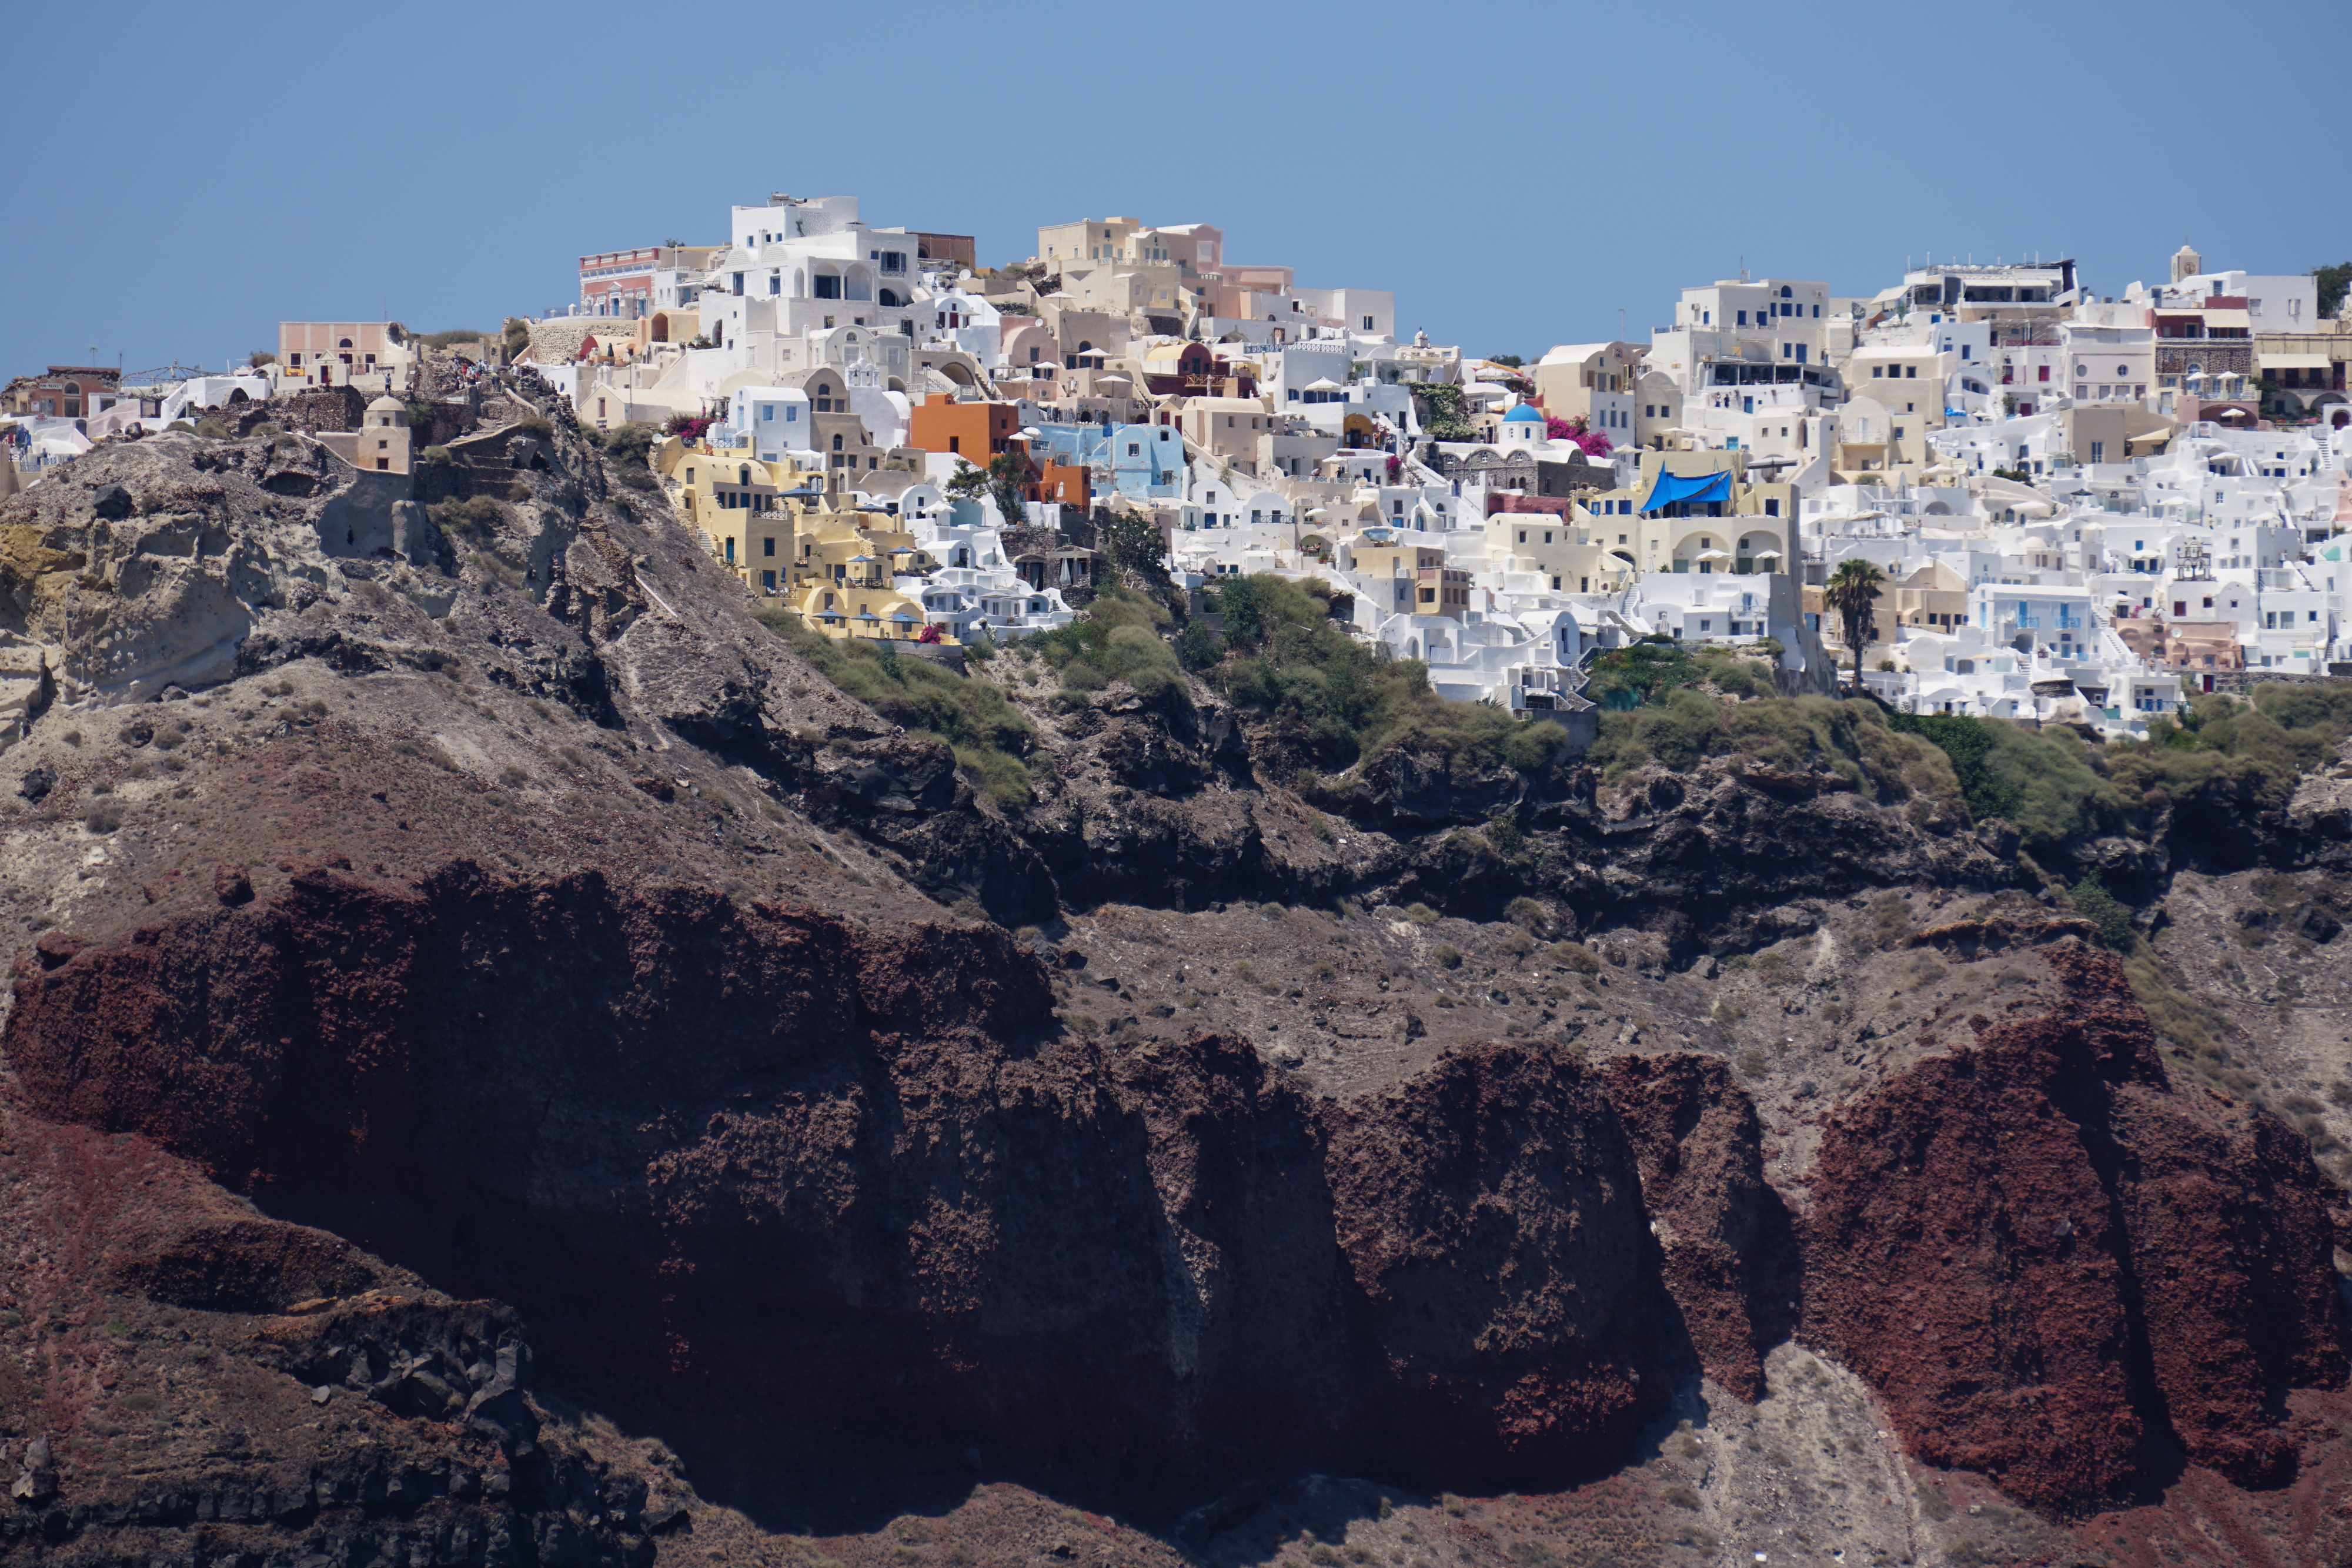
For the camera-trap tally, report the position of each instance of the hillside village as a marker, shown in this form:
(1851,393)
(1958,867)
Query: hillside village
(2073,507)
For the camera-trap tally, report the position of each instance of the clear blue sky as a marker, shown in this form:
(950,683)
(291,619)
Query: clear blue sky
(187,176)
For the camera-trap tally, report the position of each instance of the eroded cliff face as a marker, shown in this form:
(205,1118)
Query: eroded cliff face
(765,1179)
(753,1167)
(565,975)
(2055,1266)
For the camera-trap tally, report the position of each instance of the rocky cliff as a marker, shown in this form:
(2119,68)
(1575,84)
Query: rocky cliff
(493,1075)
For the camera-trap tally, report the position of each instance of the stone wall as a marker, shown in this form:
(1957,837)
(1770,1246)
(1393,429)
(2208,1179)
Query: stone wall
(319,408)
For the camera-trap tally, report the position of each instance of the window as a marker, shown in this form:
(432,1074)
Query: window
(2041,372)
(828,287)
(1743,318)
(1368,323)
(768,545)
(1911,372)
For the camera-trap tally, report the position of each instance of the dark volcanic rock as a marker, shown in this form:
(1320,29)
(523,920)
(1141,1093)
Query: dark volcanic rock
(871,1195)
(1492,1217)
(1730,1260)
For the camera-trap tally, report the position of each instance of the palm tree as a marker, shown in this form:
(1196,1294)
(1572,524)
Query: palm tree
(1853,590)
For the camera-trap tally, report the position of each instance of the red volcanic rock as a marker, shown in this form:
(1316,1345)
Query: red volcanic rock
(2044,1257)
(766,1179)
(1492,1218)
(774,1183)
(1730,1258)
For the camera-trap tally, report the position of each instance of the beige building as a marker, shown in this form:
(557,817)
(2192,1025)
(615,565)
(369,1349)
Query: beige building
(1558,547)
(747,510)
(1229,428)
(1574,382)
(330,353)
(382,443)
(1933,598)
(1403,577)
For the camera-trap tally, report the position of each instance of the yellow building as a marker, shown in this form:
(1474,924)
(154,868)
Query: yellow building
(797,537)
(747,510)
(842,580)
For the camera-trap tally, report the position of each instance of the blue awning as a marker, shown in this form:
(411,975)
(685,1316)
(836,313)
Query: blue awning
(1697,489)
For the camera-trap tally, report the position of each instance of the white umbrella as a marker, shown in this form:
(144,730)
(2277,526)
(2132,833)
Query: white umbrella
(1323,383)
(1715,555)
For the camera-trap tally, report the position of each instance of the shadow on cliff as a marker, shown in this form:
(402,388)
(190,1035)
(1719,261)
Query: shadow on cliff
(794,1193)
(814,1200)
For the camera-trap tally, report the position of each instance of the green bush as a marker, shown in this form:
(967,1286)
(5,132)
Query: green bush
(987,733)
(1503,833)
(627,444)
(1117,639)
(473,518)
(1652,669)
(2045,784)
(1853,739)
(1575,956)
(2220,754)
(2091,900)
(1282,656)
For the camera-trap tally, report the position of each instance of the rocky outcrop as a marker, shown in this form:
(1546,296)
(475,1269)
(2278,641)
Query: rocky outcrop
(193,1404)
(1729,1256)
(874,1195)
(536,942)
(2054,1265)
(881,1194)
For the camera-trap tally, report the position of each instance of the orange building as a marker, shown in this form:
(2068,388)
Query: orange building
(1068,482)
(977,430)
